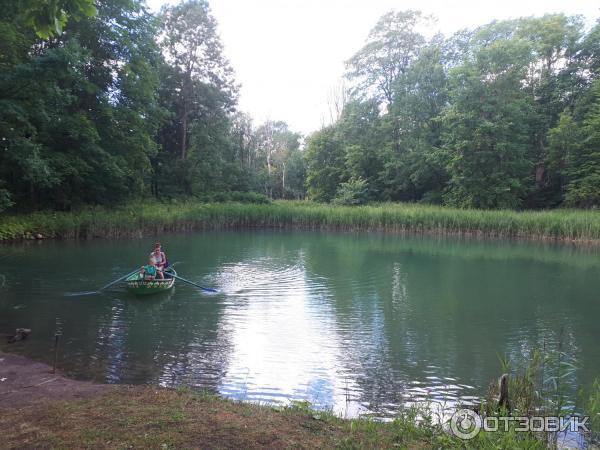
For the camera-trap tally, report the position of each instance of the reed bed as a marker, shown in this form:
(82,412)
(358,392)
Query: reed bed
(139,219)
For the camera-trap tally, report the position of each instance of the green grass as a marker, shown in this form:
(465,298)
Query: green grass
(138,219)
(149,417)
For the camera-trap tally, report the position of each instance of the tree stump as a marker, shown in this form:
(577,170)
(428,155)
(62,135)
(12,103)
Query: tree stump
(503,400)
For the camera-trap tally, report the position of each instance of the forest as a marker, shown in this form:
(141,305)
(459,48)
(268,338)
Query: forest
(106,103)
(122,104)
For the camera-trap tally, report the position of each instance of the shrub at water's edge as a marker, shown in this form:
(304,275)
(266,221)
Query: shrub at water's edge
(138,219)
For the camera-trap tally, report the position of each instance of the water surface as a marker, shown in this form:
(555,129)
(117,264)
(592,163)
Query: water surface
(357,322)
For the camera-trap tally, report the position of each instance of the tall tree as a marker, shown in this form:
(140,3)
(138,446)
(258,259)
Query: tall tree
(275,146)
(195,51)
(488,132)
(553,41)
(421,95)
(324,164)
(392,45)
(72,109)
(244,140)
(575,150)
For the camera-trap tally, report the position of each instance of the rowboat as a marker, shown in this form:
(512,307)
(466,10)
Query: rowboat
(138,286)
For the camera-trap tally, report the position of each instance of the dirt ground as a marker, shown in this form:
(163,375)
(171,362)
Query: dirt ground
(42,410)
(23,381)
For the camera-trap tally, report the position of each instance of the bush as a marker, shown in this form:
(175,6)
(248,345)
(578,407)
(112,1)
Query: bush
(591,407)
(584,193)
(5,200)
(352,192)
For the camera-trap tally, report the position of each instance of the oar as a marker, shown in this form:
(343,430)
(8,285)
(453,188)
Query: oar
(116,281)
(194,284)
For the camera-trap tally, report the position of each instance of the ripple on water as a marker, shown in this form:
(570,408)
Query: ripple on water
(349,322)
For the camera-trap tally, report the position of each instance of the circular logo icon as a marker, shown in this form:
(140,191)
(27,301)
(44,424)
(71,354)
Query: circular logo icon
(465,424)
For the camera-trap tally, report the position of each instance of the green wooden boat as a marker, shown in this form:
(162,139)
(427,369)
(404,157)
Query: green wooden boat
(137,286)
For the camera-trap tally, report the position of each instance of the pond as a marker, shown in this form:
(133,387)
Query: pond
(361,323)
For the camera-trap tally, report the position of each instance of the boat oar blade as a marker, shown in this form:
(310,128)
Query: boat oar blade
(79,294)
(194,284)
(209,289)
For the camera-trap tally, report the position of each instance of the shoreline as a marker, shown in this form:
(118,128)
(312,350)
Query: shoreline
(566,227)
(24,381)
(52,411)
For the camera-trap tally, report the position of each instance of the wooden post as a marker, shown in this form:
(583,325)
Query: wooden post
(503,400)
(56,337)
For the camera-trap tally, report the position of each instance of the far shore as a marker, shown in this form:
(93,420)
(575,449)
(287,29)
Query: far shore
(575,227)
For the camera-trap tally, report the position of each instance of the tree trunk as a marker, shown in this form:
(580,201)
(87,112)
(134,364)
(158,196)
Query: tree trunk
(182,151)
(540,168)
(186,93)
(283,181)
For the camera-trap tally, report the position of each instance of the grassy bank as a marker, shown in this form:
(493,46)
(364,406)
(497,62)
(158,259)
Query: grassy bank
(155,418)
(138,219)
(45,411)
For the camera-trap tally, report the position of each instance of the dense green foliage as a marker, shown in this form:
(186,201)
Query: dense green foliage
(105,103)
(49,17)
(503,116)
(118,103)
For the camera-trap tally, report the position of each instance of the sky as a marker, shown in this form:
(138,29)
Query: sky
(288,55)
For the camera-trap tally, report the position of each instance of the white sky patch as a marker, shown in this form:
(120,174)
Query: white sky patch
(289,54)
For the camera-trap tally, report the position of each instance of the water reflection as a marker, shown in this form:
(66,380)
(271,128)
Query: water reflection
(359,323)
(283,335)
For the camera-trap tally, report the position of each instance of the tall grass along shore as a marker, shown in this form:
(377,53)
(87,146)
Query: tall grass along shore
(139,219)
